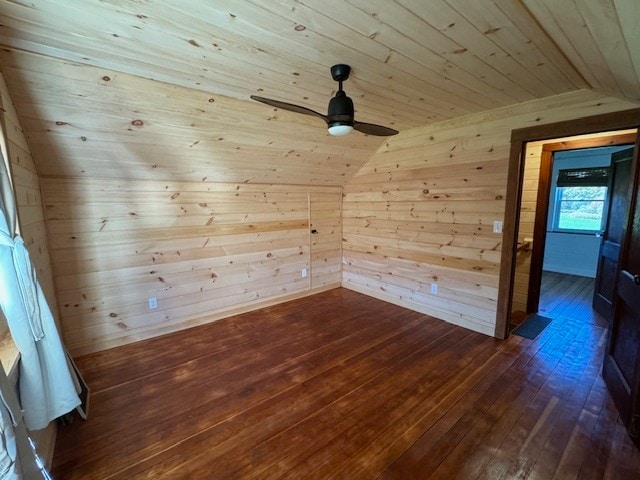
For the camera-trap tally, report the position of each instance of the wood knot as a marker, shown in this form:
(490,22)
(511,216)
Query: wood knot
(137,123)
(113,315)
(299,28)
(106,78)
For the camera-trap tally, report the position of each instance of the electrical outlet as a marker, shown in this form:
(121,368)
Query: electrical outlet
(497,226)
(303,273)
(153,303)
(434,288)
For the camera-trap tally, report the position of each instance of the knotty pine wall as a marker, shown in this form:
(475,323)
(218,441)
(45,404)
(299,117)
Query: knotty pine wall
(533,156)
(421,209)
(147,194)
(204,250)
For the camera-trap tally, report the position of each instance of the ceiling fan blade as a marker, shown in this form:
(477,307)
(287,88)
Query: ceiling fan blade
(289,106)
(371,129)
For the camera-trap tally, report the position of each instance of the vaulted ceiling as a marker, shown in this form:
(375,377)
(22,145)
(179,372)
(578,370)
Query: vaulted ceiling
(160,88)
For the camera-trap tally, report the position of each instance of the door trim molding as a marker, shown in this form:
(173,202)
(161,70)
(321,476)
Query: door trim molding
(519,138)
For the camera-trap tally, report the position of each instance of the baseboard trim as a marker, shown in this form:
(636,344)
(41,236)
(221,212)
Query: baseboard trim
(202,320)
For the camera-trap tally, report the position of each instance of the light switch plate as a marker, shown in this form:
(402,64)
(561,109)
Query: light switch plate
(497,226)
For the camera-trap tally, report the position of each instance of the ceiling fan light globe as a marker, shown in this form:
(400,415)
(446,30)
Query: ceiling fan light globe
(340,130)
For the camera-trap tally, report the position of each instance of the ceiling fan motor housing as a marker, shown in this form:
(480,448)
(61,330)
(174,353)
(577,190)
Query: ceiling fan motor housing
(341,110)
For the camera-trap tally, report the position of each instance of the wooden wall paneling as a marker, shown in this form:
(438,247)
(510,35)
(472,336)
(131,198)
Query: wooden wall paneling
(204,250)
(234,41)
(598,37)
(408,54)
(102,123)
(453,24)
(435,60)
(603,21)
(629,17)
(539,229)
(525,230)
(325,217)
(421,211)
(516,33)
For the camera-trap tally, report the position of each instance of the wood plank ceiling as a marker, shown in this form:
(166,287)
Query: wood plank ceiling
(159,89)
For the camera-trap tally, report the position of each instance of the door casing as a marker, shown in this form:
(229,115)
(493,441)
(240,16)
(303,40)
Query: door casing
(596,124)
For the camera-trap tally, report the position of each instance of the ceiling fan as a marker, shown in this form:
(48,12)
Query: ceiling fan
(339,118)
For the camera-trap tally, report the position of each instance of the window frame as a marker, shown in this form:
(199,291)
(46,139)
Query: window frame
(557,204)
(580,177)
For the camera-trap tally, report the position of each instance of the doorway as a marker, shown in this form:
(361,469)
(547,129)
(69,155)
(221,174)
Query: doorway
(621,364)
(629,119)
(562,215)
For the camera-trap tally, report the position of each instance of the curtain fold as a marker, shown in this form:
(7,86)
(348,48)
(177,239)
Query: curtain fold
(46,384)
(47,388)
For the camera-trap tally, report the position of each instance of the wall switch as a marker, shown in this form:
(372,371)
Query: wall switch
(434,288)
(153,303)
(303,273)
(497,226)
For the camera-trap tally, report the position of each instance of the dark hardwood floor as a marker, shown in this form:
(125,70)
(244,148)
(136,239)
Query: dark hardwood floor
(340,385)
(564,295)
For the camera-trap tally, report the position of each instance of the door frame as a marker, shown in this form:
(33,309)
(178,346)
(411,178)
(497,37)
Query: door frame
(519,138)
(542,203)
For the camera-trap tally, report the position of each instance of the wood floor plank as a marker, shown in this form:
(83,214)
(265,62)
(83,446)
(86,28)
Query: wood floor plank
(215,407)
(340,385)
(519,439)
(318,394)
(386,431)
(580,411)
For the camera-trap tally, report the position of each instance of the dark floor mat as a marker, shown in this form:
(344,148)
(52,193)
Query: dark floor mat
(532,326)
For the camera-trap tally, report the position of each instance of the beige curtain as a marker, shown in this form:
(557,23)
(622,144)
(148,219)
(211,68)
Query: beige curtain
(47,386)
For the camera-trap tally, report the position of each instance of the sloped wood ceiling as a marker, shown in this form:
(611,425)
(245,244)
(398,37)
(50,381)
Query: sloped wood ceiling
(161,180)
(159,89)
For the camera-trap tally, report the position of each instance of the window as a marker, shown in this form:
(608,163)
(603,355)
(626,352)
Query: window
(581,195)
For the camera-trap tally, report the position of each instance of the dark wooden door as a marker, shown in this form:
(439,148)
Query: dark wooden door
(621,368)
(612,237)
